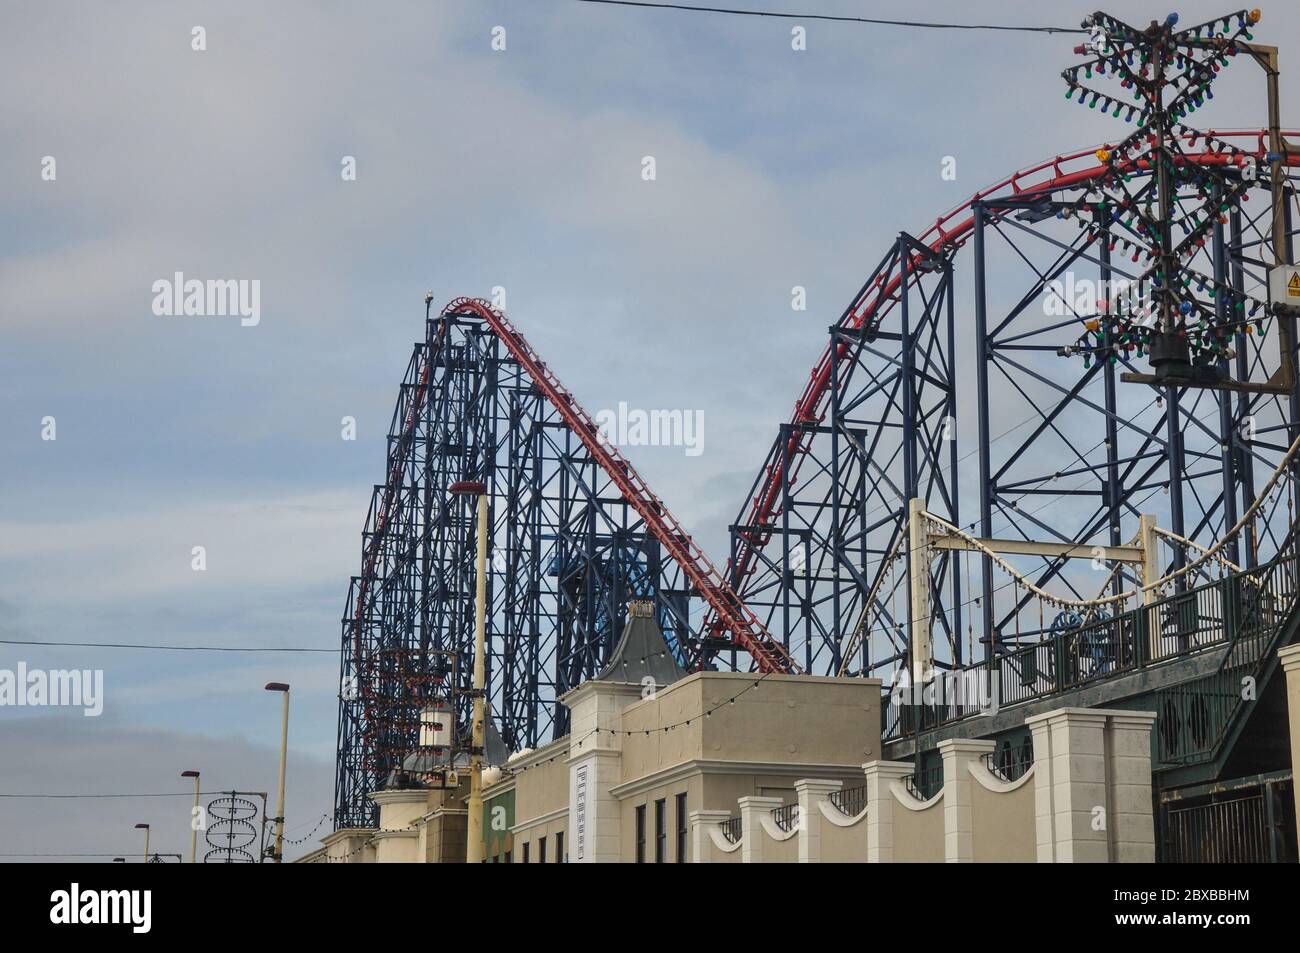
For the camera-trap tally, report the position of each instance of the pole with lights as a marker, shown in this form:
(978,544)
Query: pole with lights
(283,688)
(145,828)
(1156,199)
(194,817)
(474,835)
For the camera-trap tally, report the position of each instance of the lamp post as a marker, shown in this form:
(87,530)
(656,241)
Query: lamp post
(194,816)
(145,828)
(283,688)
(474,838)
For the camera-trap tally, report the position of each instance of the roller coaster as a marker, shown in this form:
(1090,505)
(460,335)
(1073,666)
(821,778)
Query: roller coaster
(1052,439)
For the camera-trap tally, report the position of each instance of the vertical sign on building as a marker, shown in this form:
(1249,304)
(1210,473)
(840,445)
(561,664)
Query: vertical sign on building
(580,811)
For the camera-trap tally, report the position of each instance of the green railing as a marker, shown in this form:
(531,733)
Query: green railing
(1243,612)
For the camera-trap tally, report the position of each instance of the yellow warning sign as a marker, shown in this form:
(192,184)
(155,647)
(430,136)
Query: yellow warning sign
(1293,286)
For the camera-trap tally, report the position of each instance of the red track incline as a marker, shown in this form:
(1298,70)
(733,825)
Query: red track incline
(730,615)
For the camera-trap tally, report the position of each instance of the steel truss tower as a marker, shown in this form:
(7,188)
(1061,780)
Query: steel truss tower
(575,535)
(944,380)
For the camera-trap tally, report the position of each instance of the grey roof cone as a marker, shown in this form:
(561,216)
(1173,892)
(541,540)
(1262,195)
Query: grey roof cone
(426,761)
(642,651)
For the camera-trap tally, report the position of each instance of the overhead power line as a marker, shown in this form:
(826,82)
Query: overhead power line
(874,21)
(159,794)
(169,648)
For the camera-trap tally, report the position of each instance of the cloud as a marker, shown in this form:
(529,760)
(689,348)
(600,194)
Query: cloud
(73,755)
(475,169)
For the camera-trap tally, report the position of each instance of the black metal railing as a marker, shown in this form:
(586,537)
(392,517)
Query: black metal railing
(1008,763)
(1246,820)
(731,829)
(850,801)
(925,783)
(786,816)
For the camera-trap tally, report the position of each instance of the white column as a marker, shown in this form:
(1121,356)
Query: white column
(595,767)
(701,842)
(881,807)
(752,812)
(811,793)
(1070,785)
(1132,826)
(397,840)
(958,819)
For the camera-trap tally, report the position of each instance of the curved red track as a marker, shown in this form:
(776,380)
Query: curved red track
(731,615)
(950,230)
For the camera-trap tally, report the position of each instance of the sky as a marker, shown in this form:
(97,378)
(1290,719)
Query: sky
(475,168)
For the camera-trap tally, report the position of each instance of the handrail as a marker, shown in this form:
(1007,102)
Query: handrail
(786,817)
(850,801)
(1126,642)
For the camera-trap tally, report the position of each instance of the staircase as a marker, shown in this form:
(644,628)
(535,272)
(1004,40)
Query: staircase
(1198,719)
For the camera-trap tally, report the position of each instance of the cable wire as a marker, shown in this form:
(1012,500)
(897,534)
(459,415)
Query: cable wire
(873,21)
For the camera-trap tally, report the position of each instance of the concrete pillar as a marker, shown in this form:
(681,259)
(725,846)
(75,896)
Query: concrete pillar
(595,767)
(701,842)
(811,793)
(752,812)
(1070,785)
(958,819)
(1128,748)
(397,841)
(1092,785)
(881,807)
(1290,658)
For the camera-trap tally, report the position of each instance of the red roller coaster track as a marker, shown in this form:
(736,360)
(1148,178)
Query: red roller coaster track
(733,618)
(950,230)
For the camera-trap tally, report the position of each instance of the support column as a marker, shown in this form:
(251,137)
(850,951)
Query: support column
(1132,826)
(701,843)
(958,813)
(1092,785)
(881,807)
(1150,573)
(1290,658)
(752,812)
(919,576)
(397,840)
(1070,785)
(595,815)
(812,792)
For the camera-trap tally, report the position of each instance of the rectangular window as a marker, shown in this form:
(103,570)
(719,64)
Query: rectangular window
(541,849)
(681,828)
(640,834)
(526,846)
(559,847)
(661,831)
(508,860)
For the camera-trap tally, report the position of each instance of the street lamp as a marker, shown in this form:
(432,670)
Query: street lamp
(145,828)
(194,816)
(474,838)
(283,688)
